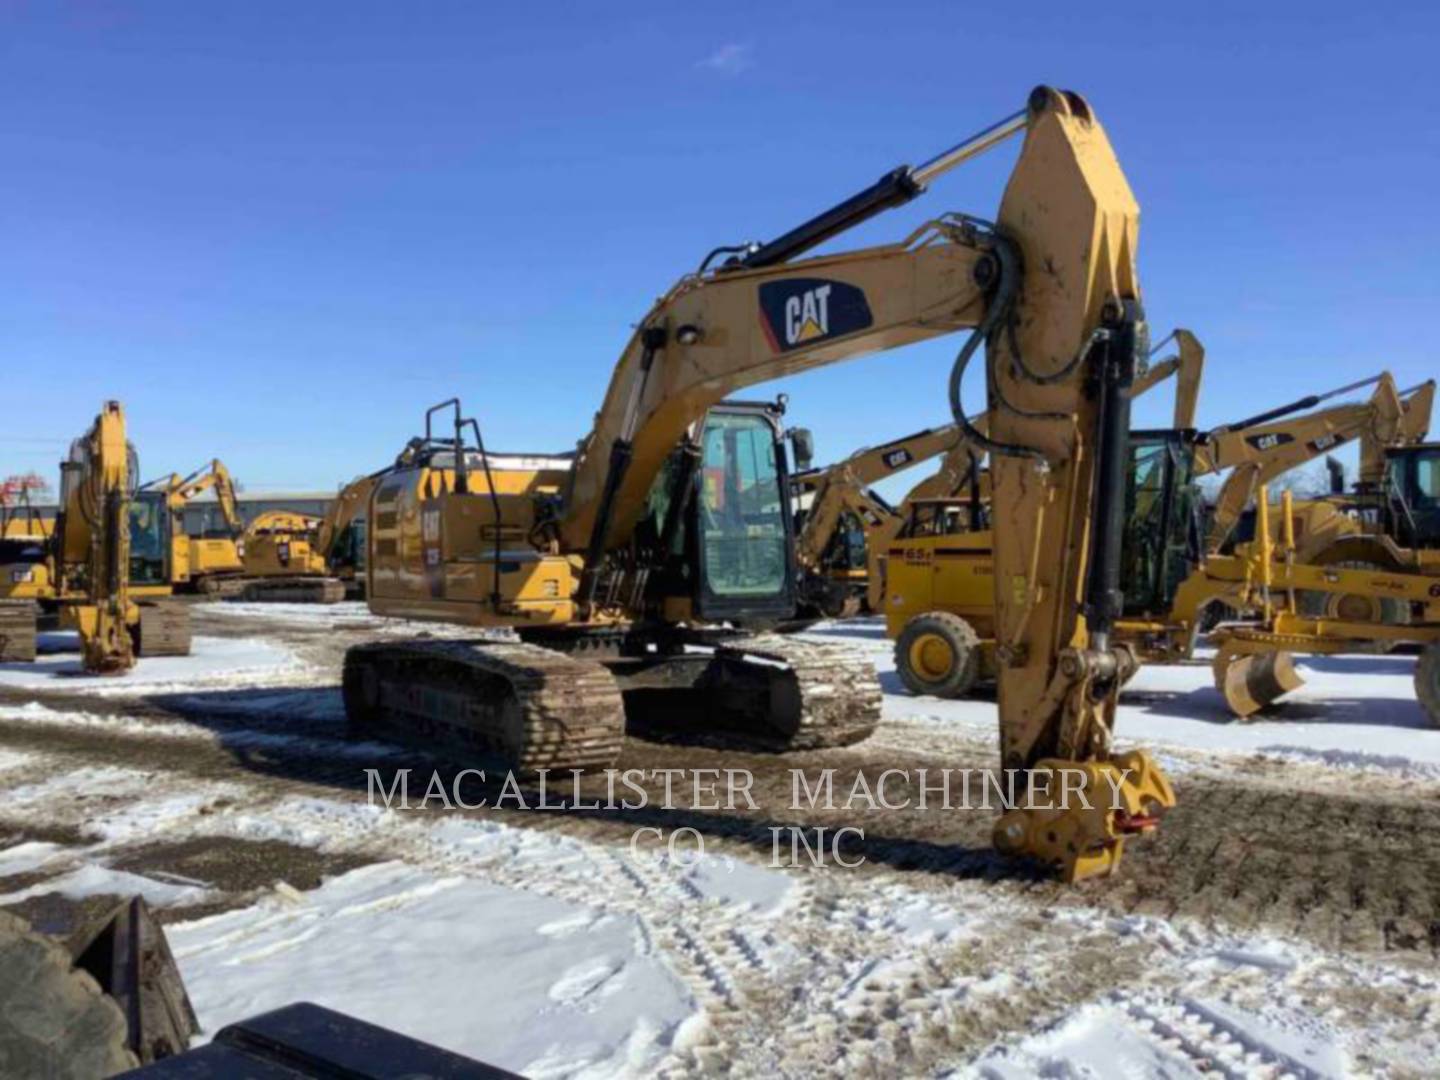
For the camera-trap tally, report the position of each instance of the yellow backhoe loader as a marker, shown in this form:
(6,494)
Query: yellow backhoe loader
(619,566)
(102,570)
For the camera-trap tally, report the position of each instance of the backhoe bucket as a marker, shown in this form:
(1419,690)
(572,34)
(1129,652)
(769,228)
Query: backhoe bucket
(1253,682)
(127,954)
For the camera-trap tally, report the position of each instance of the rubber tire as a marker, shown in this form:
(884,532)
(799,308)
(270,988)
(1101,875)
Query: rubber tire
(1427,682)
(54,1021)
(963,642)
(1317,605)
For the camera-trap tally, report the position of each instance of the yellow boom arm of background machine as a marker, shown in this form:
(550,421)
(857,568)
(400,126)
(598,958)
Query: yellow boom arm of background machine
(1258,452)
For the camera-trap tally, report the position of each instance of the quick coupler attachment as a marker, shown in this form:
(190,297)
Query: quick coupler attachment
(1076,815)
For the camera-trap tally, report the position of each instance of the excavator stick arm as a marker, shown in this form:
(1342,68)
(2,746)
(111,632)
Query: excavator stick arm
(1062,365)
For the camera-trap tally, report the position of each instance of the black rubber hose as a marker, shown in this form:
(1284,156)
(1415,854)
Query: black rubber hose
(997,311)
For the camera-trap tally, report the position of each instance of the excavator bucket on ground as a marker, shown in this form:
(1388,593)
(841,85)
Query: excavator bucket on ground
(125,951)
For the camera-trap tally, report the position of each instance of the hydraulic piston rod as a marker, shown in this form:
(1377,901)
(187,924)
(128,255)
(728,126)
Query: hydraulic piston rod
(1297,406)
(895,188)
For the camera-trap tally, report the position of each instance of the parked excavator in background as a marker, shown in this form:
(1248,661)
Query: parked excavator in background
(340,539)
(209,564)
(620,566)
(283,562)
(103,571)
(275,558)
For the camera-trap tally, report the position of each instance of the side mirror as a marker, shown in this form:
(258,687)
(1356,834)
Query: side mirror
(802,447)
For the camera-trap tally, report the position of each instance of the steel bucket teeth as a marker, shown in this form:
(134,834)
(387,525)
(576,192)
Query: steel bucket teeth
(1250,683)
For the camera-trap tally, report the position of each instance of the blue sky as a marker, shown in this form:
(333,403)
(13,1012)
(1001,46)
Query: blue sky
(279,231)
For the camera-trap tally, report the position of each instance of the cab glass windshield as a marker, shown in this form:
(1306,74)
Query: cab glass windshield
(742,508)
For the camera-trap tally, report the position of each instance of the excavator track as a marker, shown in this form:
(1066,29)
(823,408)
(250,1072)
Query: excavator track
(528,707)
(164,628)
(807,696)
(220,585)
(294,590)
(18,627)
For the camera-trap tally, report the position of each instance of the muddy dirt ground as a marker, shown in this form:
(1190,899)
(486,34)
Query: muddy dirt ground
(1350,868)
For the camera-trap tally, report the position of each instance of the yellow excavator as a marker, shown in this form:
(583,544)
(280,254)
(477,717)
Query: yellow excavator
(283,561)
(340,539)
(274,558)
(101,571)
(207,564)
(619,567)
(938,604)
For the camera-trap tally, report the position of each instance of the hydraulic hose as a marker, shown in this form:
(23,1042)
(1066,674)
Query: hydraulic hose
(1002,300)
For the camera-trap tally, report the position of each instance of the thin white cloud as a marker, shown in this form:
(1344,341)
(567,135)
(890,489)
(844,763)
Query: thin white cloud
(729,59)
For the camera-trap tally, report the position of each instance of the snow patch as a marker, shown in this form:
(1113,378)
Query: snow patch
(720,879)
(461,963)
(1095,1041)
(23,858)
(212,661)
(95,880)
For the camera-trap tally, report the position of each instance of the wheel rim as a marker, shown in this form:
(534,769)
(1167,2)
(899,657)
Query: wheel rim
(931,657)
(1353,607)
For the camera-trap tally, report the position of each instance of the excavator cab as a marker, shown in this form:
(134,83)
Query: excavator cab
(732,549)
(151,526)
(1412,495)
(1164,525)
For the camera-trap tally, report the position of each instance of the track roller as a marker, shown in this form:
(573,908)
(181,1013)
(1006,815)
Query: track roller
(1083,811)
(164,629)
(294,590)
(524,707)
(18,625)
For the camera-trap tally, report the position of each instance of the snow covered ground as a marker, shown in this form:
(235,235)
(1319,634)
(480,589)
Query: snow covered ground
(1353,711)
(558,957)
(212,661)
(555,954)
